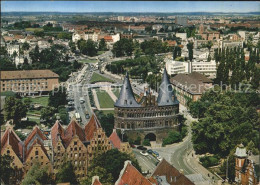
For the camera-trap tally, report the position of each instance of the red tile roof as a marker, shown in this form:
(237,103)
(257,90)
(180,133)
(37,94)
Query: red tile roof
(36,136)
(91,127)
(115,140)
(95,181)
(73,129)
(173,176)
(56,131)
(10,138)
(108,38)
(131,176)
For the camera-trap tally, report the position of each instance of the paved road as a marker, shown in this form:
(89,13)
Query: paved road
(147,163)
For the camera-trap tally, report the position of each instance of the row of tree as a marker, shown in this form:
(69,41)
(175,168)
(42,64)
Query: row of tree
(232,68)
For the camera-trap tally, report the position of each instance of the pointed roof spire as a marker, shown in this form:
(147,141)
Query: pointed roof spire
(166,92)
(126,98)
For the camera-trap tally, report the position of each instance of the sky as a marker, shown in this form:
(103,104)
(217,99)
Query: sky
(130,6)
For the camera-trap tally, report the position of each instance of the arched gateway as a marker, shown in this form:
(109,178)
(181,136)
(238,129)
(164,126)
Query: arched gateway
(147,117)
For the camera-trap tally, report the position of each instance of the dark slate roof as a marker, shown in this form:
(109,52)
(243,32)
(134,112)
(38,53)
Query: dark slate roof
(126,98)
(166,92)
(189,83)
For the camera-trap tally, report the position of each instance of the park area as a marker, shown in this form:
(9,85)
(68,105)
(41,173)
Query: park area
(105,101)
(99,78)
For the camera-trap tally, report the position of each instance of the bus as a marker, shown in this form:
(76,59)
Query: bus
(78,118)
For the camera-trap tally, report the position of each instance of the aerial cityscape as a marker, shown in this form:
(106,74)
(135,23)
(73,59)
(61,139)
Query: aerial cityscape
(130,93)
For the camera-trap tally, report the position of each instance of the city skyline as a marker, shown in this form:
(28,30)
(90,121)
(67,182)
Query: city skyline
(130,6)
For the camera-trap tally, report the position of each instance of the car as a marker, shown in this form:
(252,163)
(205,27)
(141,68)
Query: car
(155,154)
(144,153)
(141,148)
(87,116)
(149,151)
(159,158)
(132,145)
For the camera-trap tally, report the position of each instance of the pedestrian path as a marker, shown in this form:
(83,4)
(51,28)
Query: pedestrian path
(111,94)
(96,99)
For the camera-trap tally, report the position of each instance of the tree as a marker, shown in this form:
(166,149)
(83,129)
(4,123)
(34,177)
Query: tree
(87,47)
(107,122)
(113,161)
(190,49)
(226,119)
(209,45)
(37,175)
(102,45)
(47,114)
(104,176)
(14,55)
(123,47)
(6,170)
(14,109)
(173,137)
(7,65)
(146,142)
(57,97)
(25,46)
(66,173)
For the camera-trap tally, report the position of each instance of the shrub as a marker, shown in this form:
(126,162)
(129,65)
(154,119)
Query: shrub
(208,161)
(146,142)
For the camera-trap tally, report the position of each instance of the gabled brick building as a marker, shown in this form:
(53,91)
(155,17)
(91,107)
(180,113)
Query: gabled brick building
(117,143)
(78,145)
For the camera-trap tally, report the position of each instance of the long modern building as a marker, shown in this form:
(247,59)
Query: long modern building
(147,117)
(28,82)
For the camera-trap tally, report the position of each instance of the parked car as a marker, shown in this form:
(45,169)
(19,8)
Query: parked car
(159,158)
(155,154)
(149,151)
(132,145)
(144,153)
(141,148)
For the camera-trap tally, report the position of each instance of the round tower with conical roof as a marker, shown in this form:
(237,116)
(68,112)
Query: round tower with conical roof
(148,116)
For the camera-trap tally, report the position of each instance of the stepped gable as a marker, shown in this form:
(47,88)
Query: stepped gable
(173,176)
(165,92)
(73,129)
(131,176)
(36,141)
(126,97)
(115,140)
(36,136)
(57,132)
(91,127)
(10,138)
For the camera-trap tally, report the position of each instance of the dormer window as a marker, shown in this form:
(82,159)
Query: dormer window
(130,102)
(36,152)
(125,102)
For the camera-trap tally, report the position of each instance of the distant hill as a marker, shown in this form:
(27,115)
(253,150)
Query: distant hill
(129,13)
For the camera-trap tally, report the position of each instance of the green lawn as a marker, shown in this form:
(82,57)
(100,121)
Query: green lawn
(116,91)
(33,29)
(37,120)
(108,111)
(100,52)
(8,93)
(34,112)
(99,78)
(105,101)
(88,61)
(40,100)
